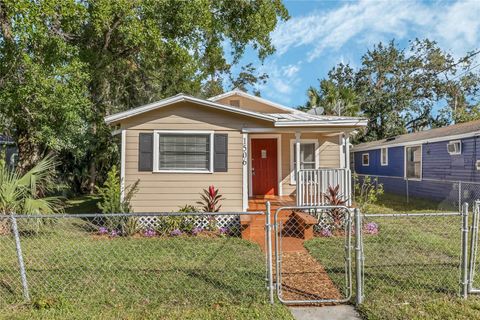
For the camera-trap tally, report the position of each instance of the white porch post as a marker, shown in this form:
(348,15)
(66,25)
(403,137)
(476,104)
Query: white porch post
(348,176)
(297,168)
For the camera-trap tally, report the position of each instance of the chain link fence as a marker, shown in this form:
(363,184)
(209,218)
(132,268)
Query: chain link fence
(440,194)
(165,259)
(411,259)
(308,268)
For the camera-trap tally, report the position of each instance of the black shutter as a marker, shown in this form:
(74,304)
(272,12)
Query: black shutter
(220,152)
(145,152)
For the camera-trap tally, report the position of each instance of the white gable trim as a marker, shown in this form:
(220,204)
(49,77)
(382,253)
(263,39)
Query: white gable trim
(254,98)
(183,98)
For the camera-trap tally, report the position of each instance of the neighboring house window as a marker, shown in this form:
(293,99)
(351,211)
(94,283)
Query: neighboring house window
(414,162)
(454,147)
(184,152)
(308,156)
(365,159)
(384,156)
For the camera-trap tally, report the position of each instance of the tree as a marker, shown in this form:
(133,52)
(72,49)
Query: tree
(43,93)
(105,56)
(398,89)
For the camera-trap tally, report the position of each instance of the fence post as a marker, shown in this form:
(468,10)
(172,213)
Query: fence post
(406,184)
(21,265)
(464,284)
(473,245)
(268,230)
(358,257)
(459,195)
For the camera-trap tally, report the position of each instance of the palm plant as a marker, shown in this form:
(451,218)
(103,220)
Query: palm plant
(28,193)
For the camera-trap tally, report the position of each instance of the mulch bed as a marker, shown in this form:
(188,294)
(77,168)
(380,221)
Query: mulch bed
(304,278)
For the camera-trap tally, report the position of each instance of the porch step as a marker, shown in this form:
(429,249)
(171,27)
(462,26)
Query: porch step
(294,224)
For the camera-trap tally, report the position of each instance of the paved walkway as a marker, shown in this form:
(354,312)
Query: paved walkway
(339,312)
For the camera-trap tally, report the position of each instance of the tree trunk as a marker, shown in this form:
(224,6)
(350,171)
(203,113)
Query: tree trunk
(92,170)
(29,153)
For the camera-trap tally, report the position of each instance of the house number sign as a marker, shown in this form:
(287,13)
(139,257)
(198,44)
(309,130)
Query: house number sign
(244,152)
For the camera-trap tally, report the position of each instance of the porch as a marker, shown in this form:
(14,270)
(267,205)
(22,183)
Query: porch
(271,170)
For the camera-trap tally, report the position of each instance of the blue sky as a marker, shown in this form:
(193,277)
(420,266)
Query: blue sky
(321,34)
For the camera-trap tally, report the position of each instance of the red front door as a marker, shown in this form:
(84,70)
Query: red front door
(264,167)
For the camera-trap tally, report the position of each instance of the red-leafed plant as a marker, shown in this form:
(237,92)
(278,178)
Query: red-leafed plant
(335,198)
(211,198)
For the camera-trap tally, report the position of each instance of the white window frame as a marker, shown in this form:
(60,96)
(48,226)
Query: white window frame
(382,151)
(405,162)
(156,135)
(368,159)
(292,156)
(459,148)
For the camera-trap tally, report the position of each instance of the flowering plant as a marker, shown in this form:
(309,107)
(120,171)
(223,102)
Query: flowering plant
(326,233)
(113,233)
(371,228)
(176,232)
(196,231)
(102,230)
(223,231)
(149,233)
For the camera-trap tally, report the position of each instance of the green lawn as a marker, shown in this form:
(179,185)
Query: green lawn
(75,274)
(393,203)
(411,266)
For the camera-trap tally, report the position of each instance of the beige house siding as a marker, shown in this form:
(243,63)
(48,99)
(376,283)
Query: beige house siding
(169,191)
(329,150)
(252,105)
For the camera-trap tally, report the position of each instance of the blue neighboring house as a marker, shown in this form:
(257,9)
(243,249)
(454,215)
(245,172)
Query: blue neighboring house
(8,146)
(430,160)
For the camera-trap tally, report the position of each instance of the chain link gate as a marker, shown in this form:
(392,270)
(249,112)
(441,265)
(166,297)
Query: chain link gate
(472,274)
(312,250)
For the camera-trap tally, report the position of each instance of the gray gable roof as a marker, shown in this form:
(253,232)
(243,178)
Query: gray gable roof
(447,133)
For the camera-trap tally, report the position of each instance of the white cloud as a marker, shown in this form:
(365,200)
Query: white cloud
(290,70)
(455,25)
(282,81)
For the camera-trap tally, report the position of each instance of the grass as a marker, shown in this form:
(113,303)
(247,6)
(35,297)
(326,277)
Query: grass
(411,265)
(75,274)
(393,203)
(84,204)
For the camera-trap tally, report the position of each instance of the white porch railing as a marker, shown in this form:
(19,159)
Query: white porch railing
(312,184)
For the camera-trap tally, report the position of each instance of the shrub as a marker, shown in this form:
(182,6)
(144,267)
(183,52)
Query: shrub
(29,193)
(111,202)
(110,194)
(366,191)
(335,198)
(211,198)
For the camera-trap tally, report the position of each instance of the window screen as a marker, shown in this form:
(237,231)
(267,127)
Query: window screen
(184,152)
(414,162)
(384,156)
(307,156)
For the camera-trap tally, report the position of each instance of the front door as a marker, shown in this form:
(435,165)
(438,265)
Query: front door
(264,167)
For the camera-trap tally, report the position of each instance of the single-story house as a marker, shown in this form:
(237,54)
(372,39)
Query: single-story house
(433,161)
(8,146)
(242,144)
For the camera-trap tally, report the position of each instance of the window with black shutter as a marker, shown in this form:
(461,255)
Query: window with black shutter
(220,157)
(145,152)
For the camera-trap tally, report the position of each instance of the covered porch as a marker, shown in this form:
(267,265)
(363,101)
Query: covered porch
(271,170)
